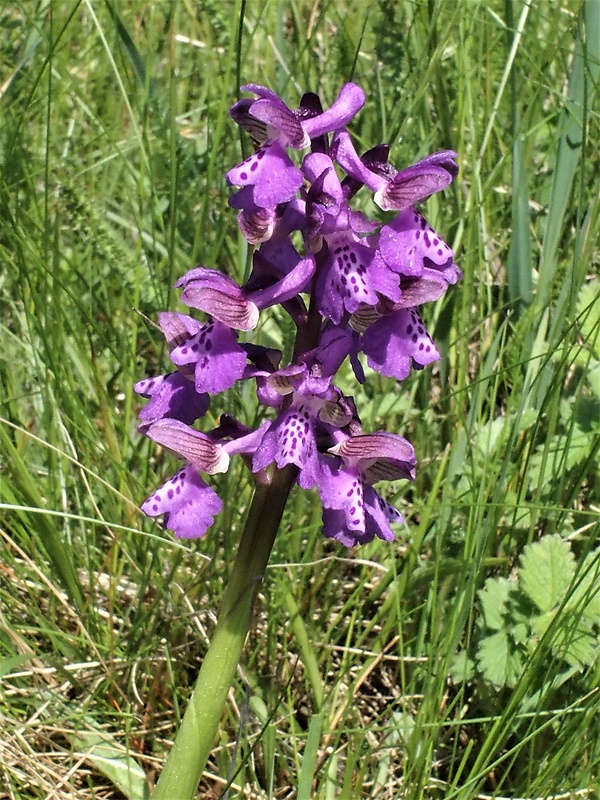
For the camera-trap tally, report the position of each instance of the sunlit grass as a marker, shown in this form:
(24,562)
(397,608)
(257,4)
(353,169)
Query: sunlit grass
(365,673)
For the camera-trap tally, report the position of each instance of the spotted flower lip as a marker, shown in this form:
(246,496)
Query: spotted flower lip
(187,503)
(398,341)
(173,395)
(214,355)
(341,287)
(353,512)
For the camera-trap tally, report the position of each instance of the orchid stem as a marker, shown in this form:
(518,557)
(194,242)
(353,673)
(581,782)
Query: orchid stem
(195,738)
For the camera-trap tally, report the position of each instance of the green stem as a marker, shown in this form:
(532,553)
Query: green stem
(195,738)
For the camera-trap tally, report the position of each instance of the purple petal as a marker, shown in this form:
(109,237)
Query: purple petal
(189,505)
(379,515)
(411,186)
(342,489)
(347,157)
(219,359)
(417,291)
(335,345)
(319,165)
(392,342)
(262,91)
(289,286)
(408,244)
(272,173)
(345,107)
(282,121)
(216,294)
(194,446)
(384,280)
(174,396)
(177,328)
(240,113)
(248,443)
(445,159)
(379,456)
(353,512)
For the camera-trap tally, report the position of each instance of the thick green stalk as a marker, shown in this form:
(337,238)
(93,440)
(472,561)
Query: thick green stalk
(196,735)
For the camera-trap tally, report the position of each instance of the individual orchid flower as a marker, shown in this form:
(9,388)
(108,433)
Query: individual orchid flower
(393,190)
(187,502)
(270,171)
(353,512)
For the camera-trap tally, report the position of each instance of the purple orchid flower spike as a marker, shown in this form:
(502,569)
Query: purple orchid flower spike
(353,288)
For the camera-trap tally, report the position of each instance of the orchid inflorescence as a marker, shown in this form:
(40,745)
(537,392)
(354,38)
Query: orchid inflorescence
(355,288)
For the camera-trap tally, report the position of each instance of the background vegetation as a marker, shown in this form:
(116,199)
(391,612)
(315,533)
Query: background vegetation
(462,661)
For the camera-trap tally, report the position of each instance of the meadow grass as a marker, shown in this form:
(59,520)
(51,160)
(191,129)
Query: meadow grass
(462,661)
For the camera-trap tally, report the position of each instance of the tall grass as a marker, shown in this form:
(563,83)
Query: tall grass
(377,673)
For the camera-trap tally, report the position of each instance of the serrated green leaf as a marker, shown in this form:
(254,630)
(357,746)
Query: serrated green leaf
(462,668)
(578,645)
(576,641)
(498,660)
(520,632)
(585,598)
(592,377)
(547,569)
(540,623)
(588,309)
(559,455)
(494,598)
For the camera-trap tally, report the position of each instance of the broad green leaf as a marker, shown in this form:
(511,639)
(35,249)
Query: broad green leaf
(547,569)
(494,600)
(113,761)
(498,660)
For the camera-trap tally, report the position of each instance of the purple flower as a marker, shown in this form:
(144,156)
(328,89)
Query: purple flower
(270,171)
(217,357)
(408,245)
(395,342)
